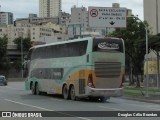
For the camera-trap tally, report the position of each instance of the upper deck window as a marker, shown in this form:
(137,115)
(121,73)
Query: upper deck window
(61,50)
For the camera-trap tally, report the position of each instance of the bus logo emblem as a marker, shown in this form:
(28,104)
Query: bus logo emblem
(108,46)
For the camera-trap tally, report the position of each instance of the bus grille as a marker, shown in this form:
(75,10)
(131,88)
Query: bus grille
(107,69)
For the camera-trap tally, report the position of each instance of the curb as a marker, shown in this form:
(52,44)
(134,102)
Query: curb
(142,100)
(15,79)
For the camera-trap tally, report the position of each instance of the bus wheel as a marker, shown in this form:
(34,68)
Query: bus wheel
(33,89)
(65,92)
(37,90)
(72,93)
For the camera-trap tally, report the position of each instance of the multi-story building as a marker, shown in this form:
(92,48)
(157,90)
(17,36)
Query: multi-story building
(34,32)
(40,31)
(152,14)
(49,8)
(6,18)
(36,20)
(13,32)
(79,21)
(79,15)
(64,18)
(117,5)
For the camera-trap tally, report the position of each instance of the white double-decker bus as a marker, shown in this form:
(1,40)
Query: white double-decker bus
(86,67)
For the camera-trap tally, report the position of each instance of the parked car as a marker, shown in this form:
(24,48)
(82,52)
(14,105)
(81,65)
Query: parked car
(3,80)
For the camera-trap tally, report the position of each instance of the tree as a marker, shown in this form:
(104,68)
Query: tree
(4,60)
(17,65)
(133,35)
(3,46)
(26,43)
(154,42)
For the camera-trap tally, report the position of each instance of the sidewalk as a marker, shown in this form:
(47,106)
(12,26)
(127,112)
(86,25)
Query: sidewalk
(139,94)
(16,79)
(155,100)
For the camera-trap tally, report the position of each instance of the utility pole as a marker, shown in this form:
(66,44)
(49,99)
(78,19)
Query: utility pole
(21,36)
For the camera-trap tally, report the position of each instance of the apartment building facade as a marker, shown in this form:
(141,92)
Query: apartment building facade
(152,15)
(36,20)
(79,15)
(34,32)
(13,32)
(40,31)
(64,18)
(6,18)
(49,8)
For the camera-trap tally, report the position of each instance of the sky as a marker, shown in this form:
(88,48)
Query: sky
(21,8)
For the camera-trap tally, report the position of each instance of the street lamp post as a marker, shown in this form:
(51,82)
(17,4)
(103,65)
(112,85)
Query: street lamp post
(146,60)
(22,55)
(146,29)
(21,36)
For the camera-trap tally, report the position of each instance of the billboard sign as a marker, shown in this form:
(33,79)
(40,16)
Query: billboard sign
(107,17)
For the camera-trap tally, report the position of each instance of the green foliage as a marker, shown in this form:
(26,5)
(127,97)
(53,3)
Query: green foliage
(154,42)
(132,91)
(4,61)
(133,35)
(3,47)
(17,65)
(26,43)
(5,64)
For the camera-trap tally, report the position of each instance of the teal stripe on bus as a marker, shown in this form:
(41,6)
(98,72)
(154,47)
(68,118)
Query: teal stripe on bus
(69,73)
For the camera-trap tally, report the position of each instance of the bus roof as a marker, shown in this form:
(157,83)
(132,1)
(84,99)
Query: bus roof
(63,42)
(74,40)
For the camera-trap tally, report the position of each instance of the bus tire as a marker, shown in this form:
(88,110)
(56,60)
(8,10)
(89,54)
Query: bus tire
(33,89)
(72,93)
(65,92)
(37,89)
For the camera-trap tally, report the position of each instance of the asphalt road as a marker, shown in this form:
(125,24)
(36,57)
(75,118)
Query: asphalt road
(14,98)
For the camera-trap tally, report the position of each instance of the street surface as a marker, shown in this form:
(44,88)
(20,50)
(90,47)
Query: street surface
(14,98)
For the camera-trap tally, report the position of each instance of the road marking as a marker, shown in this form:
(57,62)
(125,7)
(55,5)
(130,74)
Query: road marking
(15,88)
(46,109)
(84,118)
(28,105)
(112,108)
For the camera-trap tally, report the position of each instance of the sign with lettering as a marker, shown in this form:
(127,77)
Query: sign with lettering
(107,17)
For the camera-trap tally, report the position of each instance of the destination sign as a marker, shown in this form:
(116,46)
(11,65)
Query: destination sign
(107,17)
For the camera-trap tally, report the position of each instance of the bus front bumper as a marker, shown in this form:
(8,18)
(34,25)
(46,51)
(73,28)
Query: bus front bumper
(96,92)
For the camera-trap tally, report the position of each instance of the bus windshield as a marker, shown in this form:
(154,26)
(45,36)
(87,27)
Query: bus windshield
(107,45)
